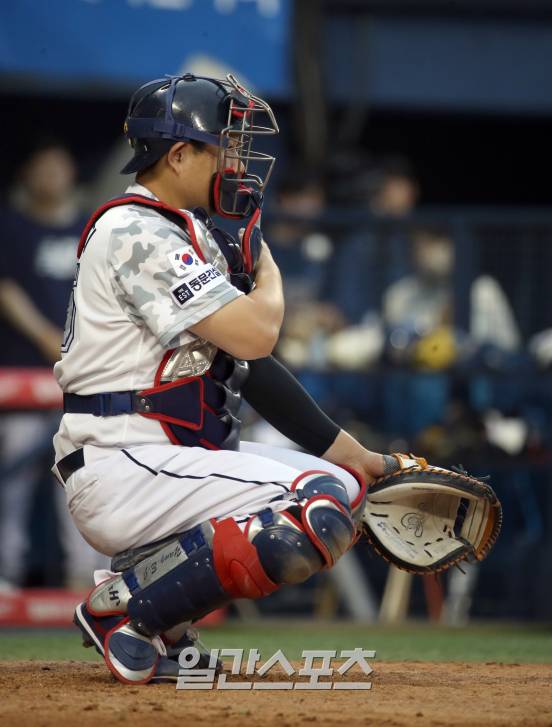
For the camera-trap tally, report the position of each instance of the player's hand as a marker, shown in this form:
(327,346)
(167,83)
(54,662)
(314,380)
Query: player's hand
(370,467)
(347,451)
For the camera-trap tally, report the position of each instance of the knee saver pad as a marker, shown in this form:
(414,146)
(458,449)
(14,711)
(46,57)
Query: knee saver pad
(189,576)
(208,566)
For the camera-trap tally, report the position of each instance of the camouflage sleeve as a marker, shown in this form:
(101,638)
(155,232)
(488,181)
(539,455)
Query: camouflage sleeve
(161,281)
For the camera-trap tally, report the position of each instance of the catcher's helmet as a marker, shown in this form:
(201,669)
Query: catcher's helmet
(218,112)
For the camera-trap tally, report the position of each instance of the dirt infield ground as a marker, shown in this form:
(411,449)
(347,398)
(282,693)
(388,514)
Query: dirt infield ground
(41,693)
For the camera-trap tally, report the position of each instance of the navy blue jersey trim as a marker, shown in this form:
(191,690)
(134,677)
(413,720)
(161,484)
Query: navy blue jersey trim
(140,464)
(223,477)
(200,477)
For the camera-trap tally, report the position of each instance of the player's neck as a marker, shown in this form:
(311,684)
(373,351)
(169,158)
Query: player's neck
(165,192)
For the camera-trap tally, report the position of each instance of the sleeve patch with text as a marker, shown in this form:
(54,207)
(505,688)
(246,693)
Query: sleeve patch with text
(199,281)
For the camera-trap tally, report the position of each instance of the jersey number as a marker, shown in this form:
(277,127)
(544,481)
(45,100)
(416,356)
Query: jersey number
(69,331)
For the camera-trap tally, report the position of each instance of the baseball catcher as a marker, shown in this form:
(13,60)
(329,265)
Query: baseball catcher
(171,322)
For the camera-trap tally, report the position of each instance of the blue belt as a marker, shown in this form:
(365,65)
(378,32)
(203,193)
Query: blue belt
(191,423)
(112,403)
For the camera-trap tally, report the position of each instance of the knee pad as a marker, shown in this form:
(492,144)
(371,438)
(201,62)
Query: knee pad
(206,567)
(288,546)
(311,534)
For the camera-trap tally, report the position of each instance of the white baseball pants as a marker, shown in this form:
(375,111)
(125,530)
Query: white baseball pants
(131,497)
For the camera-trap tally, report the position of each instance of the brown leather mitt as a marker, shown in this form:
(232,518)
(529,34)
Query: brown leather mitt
(425,519)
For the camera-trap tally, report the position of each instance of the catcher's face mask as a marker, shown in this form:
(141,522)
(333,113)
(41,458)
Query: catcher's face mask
(218,112)
(242,171)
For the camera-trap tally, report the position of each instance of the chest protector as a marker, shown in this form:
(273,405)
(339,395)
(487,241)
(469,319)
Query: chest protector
(196,392)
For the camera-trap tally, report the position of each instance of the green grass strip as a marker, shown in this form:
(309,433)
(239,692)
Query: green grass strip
(496,643)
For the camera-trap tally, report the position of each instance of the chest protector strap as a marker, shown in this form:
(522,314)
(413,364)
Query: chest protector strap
(193,411)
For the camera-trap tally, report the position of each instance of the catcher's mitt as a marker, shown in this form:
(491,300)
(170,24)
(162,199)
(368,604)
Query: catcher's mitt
(425,519)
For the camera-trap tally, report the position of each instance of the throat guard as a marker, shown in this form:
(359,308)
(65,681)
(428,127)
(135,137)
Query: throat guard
(241,257)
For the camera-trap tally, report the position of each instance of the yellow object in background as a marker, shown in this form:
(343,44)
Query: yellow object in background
(437,350)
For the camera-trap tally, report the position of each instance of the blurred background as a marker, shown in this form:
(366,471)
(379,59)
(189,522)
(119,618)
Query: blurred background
(409,212)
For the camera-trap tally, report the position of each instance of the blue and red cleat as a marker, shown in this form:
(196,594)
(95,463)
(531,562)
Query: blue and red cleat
(132,657)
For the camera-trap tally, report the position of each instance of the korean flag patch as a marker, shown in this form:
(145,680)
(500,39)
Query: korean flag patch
(183,260)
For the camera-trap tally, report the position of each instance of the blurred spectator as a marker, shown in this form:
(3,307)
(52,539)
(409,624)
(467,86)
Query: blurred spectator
(325,293)
(302,248)
(394,189)
(295,232)
(303,342)
(368,256)
(418,310)
(40,234)
(372,255)
(418,323)
(386,186)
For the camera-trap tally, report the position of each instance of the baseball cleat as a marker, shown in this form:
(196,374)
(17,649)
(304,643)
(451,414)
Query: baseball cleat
(131,657)
(94,629)
(189,638)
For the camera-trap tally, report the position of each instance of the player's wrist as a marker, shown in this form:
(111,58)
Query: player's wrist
(347,450)
(268,288)
(266,268)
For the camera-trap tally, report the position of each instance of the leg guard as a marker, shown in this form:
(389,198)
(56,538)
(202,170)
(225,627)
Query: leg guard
(208,566)
(175,583)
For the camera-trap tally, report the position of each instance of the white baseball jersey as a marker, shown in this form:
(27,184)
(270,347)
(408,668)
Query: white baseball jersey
(139,286)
